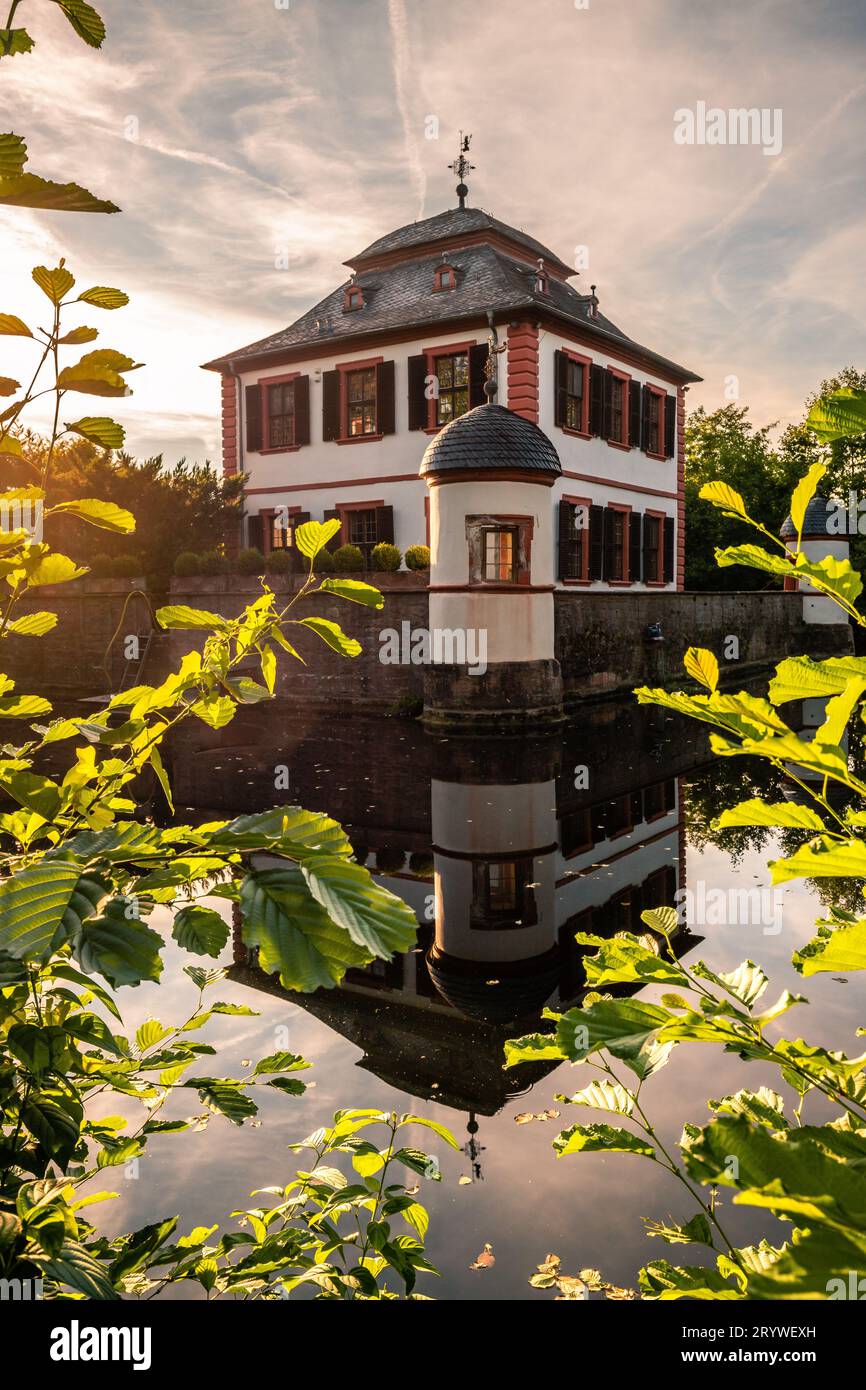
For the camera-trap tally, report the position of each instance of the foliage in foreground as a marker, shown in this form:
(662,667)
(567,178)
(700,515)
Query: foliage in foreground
(762,1145)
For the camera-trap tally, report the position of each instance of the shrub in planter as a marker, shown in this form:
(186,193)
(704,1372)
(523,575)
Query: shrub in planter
(100,565)
(390,859)
(125,567)
(251,561)
(212,562)
(324,563)
(188,563)
(418,557)
(279,562)
(421,864)
(385,558)
(348,558)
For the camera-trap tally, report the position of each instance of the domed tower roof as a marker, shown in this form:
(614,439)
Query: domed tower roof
(815,520)
(491,438)
(495,993)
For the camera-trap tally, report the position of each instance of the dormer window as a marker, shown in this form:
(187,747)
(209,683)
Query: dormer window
(542,279)
(353,298)
(444,279)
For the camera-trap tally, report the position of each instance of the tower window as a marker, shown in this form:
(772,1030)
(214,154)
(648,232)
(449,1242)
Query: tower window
(499,549)
(500,555)
(353,298)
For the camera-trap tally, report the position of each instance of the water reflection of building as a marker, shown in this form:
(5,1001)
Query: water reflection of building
(519,858)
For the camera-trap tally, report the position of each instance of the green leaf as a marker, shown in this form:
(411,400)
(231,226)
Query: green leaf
(32,904)
(288,830)
(104,298)
(534,1047)
(33,624)
(840,953)
(14,41)
(375,919)
(54,569)
(77,1269)
(124,951)
(215,710)
(294,934)
(603,1095)
(93,380)
(13,156)
(822,858)
(84,19)
(600,1139)
(724,497)
(224,1097)
(101,430)
(179,615)
(623,1026)
(802,496)
(77,336)
(313,536)
(801,678)
(427,1123)
(702,666)
(281,1061)
(106,515)
(8,386)
(664,1281)
(200,930)
(764,1107)
(55,283)
(12,326)
(839,415)
(757,812)
(23,706)
(332,635)
(354,591)
(625,959)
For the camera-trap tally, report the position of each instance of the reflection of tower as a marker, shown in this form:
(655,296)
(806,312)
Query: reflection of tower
(495,955)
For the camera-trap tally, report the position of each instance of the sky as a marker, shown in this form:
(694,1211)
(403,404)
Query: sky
(254,145)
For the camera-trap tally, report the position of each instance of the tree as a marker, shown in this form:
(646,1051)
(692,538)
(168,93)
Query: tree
(187,507)
(725,444)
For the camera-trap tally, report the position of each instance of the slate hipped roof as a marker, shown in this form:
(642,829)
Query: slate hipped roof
(496,276)
(490,437)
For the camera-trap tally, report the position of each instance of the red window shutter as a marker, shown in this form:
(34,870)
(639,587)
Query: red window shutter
(566,535)
(634,408)
(596,542)
(670,426)
(385,398)
(561,378)
(597,377)
(302,410)
(253,410)
(477,367)
(635,547)
(417,388)
(385,524)
(331,423)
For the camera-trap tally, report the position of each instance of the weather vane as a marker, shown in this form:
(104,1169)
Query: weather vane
(461,167)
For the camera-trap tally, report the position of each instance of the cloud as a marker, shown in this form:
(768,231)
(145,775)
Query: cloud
(266,134)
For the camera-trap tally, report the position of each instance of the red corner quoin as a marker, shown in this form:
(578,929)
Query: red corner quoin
(681,486)
(523,370)
(230,424)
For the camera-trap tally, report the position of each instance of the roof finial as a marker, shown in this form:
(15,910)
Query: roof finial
(461,167)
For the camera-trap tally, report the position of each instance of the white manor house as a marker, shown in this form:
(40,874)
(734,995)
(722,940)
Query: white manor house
(331,416)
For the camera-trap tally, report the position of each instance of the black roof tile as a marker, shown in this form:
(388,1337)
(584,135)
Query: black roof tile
(490,436)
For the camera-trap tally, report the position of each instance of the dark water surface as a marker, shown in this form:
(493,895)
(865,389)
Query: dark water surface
(505,849)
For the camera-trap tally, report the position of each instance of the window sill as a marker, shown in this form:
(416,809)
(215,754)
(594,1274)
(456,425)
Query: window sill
(654,583)
(281,449)
(575,434)
(618,444)
(660,457)
(620,583)
(580,582)
(360,439)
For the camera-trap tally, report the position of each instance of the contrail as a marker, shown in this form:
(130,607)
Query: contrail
(402,79)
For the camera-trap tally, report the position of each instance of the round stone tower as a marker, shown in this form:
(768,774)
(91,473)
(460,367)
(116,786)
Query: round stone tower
(825,532)
(491,609)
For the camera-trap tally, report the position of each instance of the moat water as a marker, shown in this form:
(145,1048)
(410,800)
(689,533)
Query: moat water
(504,849)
